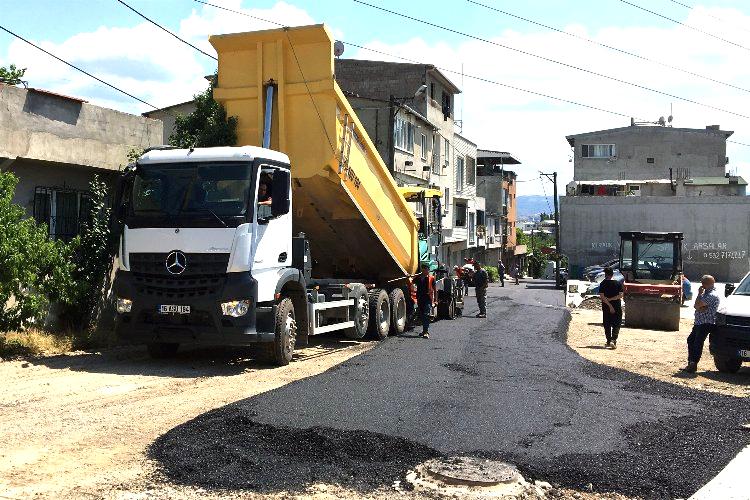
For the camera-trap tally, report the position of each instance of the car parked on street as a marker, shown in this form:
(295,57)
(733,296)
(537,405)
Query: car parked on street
(591,272)
(729,343)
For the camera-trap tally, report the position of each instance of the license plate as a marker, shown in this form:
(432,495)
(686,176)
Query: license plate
(745,354)
(173,309)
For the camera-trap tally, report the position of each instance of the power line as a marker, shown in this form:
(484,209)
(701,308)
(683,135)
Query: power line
(448,70)
(531,54)
(691,7)
(610,47)
(686,25)
(77,68)
(167,31)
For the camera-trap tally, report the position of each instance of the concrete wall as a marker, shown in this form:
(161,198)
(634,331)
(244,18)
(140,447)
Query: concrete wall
(167,117)
(716,229)
(689,152)
(40,126)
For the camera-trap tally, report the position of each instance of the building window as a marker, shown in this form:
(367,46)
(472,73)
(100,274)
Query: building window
(649,160)
(471,170)
(598,150)
(460,214)
(435,155)
(446,105)
(459,173)
(446,153)
(423,146)
(447,202)
(481,218)
(432,91)
(403,134)
(472,229)
(64,211)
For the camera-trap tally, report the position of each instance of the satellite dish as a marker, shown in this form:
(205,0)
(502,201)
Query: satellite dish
(670,119)
(661,121)
(338,48)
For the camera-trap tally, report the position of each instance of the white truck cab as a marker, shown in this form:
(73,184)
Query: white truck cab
(730,341)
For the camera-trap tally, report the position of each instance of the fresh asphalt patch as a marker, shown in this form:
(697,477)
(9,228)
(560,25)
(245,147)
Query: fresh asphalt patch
(506,387)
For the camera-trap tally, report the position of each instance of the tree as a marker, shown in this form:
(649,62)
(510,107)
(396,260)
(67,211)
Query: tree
(12,75)
(207,126)
(34,270)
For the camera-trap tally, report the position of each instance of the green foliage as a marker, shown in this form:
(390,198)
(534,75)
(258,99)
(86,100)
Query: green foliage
(493,273)
(34,270)
(12,75)
(92,253)
(207,126)
(133,154)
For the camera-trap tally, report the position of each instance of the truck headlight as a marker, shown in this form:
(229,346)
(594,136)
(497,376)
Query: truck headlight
(721,319)
(235,308)
(124,305)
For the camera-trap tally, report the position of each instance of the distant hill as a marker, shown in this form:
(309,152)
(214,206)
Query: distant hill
(528,206)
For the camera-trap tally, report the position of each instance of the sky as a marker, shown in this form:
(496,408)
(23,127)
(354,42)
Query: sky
(110,41)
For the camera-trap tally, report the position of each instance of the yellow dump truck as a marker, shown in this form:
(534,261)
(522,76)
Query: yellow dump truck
(301,230)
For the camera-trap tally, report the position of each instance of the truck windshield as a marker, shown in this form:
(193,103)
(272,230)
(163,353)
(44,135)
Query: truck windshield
(655,260)
(212,190)
(744,287)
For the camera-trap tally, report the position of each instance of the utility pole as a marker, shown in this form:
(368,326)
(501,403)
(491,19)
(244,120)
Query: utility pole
(503,219)
(557,228)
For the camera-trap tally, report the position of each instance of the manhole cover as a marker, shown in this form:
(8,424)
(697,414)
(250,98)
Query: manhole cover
(470,471)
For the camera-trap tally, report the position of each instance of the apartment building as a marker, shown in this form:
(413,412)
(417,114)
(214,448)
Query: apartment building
(656,178)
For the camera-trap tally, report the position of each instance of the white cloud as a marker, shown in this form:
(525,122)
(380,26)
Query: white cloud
(534,128)
(141,59)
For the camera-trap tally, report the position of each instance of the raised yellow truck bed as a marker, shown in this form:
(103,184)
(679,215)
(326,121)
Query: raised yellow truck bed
(344,198)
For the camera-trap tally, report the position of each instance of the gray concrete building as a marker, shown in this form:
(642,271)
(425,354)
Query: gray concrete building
(168,115)
(656,178)
(55,144)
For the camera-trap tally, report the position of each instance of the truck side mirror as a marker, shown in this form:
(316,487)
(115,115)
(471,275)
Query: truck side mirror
(281,186)
(729,288)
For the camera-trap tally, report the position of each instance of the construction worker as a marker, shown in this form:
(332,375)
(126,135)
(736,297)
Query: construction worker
(481,281)
(611,293)
(425,285)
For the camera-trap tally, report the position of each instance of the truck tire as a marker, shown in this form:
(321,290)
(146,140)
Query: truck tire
(361,314)
(398,311)
(380,314)
(285,333)
(727,365)
(162,350)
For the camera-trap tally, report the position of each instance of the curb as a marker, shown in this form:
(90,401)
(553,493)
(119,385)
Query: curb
(730,483)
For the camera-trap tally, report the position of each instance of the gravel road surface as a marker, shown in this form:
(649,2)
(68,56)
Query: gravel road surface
(503,387)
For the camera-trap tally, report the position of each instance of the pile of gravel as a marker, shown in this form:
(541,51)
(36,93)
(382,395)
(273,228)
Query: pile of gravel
(593,303)
(226,449)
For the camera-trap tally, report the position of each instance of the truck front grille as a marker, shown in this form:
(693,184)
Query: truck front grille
(204,275)
(196,318)
(738,321)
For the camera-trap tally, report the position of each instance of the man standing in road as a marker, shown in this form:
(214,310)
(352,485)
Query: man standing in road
(514,272)
(610,291)
(706,304)
(481,280)
(501,272)
(425,298)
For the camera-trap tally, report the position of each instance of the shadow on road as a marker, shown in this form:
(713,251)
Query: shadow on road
(189,362)
(235,452)
(742,377)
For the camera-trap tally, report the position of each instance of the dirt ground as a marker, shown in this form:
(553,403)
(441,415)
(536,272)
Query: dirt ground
(655,354)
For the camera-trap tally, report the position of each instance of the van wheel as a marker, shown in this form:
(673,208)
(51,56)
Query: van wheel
(360,313)
(162,350)
(398,311)
(380,314)
(285,333)
(727,365)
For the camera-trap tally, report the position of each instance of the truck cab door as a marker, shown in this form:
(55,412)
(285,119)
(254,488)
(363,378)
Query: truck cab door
(273,227)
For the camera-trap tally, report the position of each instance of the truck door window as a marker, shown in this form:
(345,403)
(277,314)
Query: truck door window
(265,196)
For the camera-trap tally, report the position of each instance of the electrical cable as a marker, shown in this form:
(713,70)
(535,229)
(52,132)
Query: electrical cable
(167,31)
(545,194)
(543,58)
(685,25)
(610,47)
(76,67)
(448,70)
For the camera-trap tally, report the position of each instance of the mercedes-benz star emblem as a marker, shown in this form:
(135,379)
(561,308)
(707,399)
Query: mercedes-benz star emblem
(176,262)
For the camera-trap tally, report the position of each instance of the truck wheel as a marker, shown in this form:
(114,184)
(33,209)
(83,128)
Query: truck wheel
(398,311)
(361,313)
(380,314)
(285,329)
(727,365)
(162,350)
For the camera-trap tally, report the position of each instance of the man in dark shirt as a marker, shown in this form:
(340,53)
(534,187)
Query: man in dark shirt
(610,291)
(501,272)
(481,280)
(425,284)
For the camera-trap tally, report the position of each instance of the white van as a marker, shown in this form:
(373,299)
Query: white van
(730,341)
